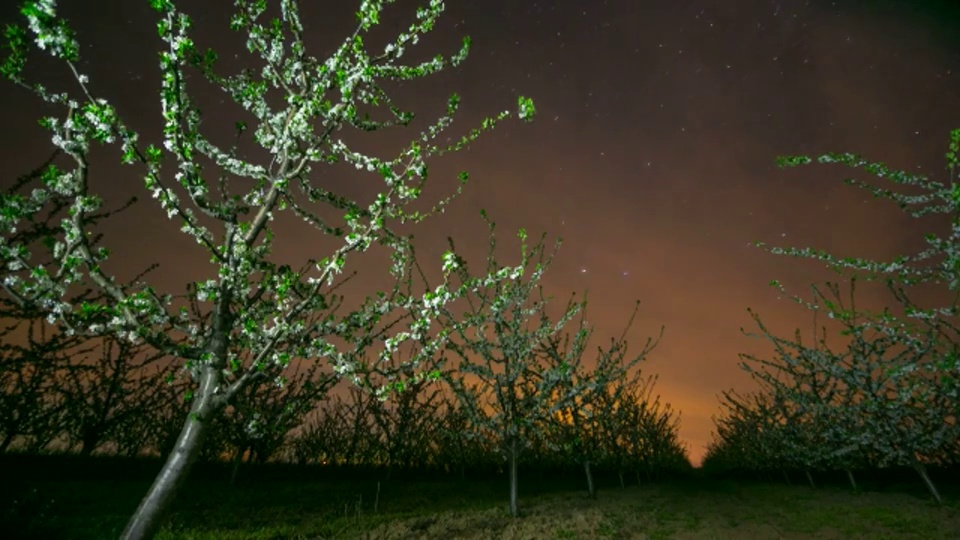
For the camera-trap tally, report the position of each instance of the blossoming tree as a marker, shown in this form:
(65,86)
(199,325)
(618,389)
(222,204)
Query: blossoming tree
(255,312)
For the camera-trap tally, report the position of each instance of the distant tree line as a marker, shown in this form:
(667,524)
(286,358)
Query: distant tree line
(103,397)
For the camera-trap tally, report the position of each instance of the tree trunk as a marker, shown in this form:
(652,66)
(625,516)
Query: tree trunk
(7,439)
(922,471)
(590,488)
(853,483)
(206,403)
(147,519)
(787,477)
(623,485)
(237,459)
(513,477)
(89,443)
(809,478)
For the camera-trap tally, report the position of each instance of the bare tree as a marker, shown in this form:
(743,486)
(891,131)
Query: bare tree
(654,442)
(101,395)
(460,445)
(167,405)
(261,418)
(159,408)
(341,433)
(322,438)
(405,424)
(588,422)
(31,405)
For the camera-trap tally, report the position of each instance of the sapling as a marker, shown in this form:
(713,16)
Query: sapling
(513,375)
(590,420)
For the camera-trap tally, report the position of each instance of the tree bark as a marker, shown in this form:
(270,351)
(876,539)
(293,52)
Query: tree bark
(90,441)
(237,459)
(5,443)
(147,519)
(590,488)
(809,478)
(207,402)
(513,477)
(922,471)
(853,483)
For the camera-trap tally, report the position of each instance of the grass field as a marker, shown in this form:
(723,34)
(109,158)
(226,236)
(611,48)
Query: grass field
(87,508)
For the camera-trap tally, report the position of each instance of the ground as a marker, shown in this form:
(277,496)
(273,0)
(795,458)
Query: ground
(312,508)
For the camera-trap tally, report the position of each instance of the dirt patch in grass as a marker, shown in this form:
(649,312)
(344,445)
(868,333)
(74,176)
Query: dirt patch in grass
(555,517)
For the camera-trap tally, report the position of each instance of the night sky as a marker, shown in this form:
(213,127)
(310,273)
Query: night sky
(652,155)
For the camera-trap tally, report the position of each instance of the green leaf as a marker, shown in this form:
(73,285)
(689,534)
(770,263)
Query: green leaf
(162,6)
(526,109)
(793,161)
